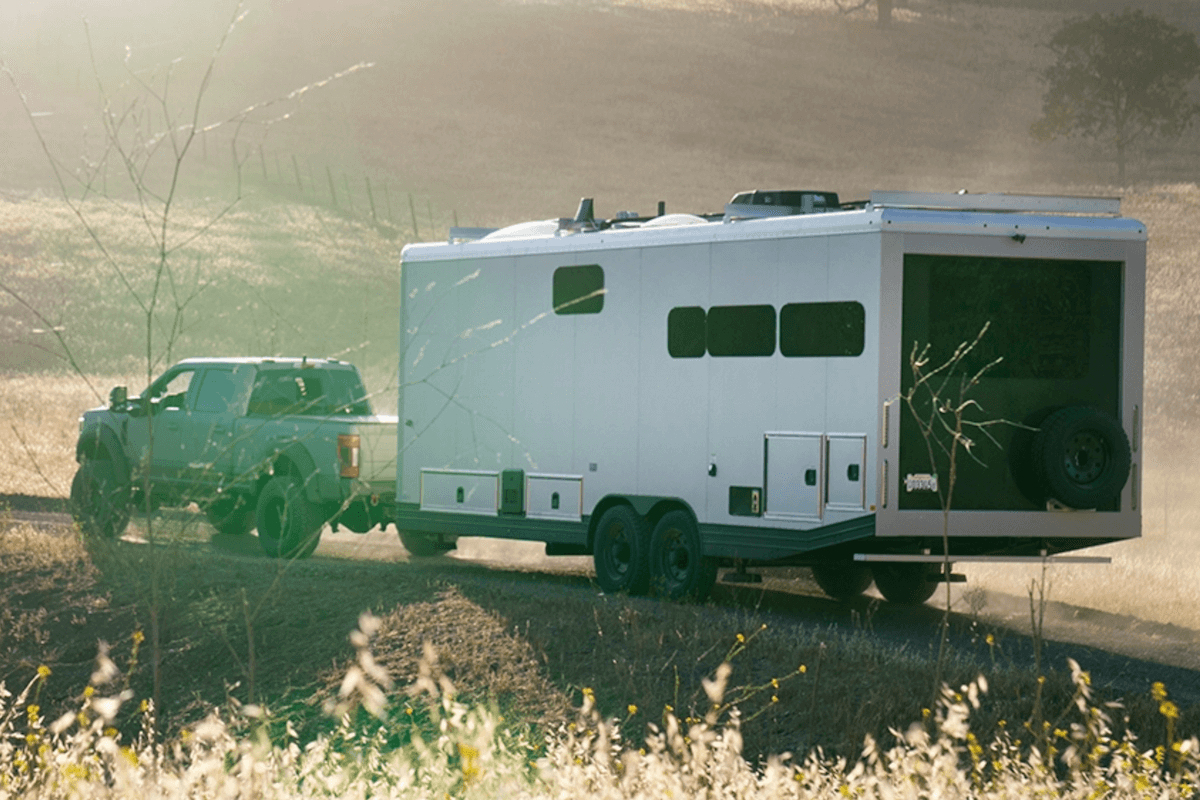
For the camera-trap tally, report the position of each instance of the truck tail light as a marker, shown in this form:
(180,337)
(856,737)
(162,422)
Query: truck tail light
(348,449)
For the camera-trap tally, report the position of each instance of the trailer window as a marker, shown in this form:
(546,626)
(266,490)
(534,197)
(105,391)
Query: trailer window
(685,332)
(741,331)
(579,290)
(821,329)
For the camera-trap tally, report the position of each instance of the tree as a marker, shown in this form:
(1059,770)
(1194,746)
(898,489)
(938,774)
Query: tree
(1118,79)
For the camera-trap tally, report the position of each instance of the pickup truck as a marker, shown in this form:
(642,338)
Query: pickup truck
(284,445)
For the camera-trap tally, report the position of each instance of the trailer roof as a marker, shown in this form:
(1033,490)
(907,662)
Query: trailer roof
(1014,216)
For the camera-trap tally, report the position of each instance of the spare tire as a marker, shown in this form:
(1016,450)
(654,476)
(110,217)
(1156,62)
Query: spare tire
(1082,457)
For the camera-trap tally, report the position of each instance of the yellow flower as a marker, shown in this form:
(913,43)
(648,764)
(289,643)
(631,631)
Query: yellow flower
(632,709)
(774,698)
(112,732)
(774,683)
(32,710)
(1158,691)
(803,669)
(144,706)
(138,637)
(1169,710)
(43,672)
(88,691)
(991,640)
(741,638)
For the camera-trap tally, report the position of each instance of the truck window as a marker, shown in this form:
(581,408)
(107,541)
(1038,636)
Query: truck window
(741,331)
(821,329)
(308,392)
(171,391)
(579,290)
(223,390)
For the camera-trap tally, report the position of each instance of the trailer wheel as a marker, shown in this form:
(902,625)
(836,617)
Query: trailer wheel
(289,526)
(422,545)
(1082,456)
(906,584)
(678,567)
(620,551)
(100,500)
(843,580)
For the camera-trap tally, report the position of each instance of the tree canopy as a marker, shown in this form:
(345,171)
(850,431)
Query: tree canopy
(1119,78)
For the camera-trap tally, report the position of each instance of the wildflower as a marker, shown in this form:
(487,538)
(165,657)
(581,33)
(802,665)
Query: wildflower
(670,709)
(112,733)
(88,691)
(32,711)
(1158,691)
(991,640)
(763,627)
(741,639)
(43,672)
(774,698)
(138,638)
(632,709)
(1169,710)
(1041,680)
(144,706)
(803,669)
(774,683)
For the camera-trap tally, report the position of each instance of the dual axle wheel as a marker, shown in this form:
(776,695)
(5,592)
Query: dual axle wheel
(667,561)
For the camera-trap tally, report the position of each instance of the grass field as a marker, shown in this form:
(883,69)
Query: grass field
(491,112)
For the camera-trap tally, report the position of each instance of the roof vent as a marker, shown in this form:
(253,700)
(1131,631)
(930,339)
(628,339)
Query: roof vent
(751,205)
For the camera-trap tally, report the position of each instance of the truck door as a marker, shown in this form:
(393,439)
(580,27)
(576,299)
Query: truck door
(167,403)
(208,431)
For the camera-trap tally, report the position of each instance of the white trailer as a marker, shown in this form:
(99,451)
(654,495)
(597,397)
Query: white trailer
(673,393)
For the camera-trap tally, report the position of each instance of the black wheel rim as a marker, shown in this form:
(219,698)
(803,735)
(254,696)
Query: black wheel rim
(1085,458)
(676,557)
(618,555)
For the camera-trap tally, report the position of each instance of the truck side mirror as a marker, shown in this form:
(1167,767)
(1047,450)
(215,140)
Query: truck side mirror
(118,397)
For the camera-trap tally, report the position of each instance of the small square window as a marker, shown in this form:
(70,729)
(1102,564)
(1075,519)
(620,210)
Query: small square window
(579,290)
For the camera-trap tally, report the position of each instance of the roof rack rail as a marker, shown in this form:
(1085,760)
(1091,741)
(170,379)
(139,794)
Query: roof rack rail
(963,201)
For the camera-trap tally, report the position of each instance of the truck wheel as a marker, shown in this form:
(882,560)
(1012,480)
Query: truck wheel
(422,545)
(620,551)
(100,500)
(678,567)
(231,515)
(1082,456)
(843,580)
(906,584)
(289,526)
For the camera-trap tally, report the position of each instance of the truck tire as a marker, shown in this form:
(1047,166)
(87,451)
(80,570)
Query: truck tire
(423,545)
(289,526)
(906,584)
(1082,457)
(231,515)
(678,567)
(843,580)
(100,500)
(621,552)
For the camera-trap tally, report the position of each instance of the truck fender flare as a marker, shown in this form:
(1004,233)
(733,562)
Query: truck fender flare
(101,441)
(295,459)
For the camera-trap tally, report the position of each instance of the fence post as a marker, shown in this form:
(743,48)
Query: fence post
(413,210)
(332,193)
(370,197)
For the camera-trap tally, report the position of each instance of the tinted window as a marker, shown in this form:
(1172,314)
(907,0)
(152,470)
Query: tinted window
(741,331)
(821,329)
(309,392)
(579,290)
(685,332)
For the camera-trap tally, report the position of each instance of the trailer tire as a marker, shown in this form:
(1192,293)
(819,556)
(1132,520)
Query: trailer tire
(289,526)
(232,515)
(423,545)
(1082,456)
(100,500)
(621,552)
(678,566)
(906,584)
(843,580)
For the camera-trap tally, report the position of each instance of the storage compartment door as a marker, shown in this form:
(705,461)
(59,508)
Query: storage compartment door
(794,476)
(460,491)
(847,458)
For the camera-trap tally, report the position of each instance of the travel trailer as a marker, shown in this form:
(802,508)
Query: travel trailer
(677,392)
